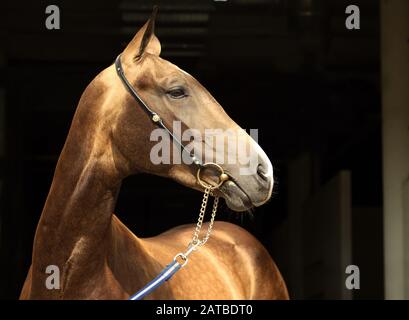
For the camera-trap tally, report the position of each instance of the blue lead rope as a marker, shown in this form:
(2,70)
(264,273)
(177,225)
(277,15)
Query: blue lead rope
(164,276)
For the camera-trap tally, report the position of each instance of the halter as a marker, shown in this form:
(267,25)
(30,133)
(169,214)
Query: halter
(152,114)
(181,259)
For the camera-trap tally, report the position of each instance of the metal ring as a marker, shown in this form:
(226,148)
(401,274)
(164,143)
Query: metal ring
(184,258)
(222,176)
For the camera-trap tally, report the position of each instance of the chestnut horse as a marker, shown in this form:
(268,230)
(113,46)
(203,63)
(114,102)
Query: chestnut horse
(109,139)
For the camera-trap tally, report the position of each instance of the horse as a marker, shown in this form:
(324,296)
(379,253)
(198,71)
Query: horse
(97,256)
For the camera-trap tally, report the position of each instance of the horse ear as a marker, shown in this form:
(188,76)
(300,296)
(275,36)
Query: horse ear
(145,40)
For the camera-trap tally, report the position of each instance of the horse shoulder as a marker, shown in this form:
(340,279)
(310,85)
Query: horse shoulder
(242,249)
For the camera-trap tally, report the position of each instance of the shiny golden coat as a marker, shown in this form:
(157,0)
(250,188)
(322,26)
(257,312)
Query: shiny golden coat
(99,258)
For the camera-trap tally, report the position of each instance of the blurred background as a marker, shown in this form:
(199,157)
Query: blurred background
(335,130)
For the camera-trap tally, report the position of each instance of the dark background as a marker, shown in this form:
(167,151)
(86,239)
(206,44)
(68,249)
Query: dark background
(289,68)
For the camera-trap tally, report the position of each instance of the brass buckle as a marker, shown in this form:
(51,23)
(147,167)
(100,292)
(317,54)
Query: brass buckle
(222,177)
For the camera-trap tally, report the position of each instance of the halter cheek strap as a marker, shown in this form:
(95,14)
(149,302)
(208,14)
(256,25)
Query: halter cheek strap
(152,114)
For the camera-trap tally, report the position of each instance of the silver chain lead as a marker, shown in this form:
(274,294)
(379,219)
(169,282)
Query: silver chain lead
(195,241)
(208,190)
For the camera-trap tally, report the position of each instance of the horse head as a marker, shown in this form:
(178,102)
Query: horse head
(178,97)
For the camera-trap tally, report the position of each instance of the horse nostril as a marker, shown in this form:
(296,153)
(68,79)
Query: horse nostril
(261,172)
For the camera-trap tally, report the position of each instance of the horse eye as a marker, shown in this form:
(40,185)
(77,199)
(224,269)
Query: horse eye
(177,93)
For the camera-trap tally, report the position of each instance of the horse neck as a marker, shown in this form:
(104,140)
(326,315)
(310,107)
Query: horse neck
(82,195)
(75,225)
